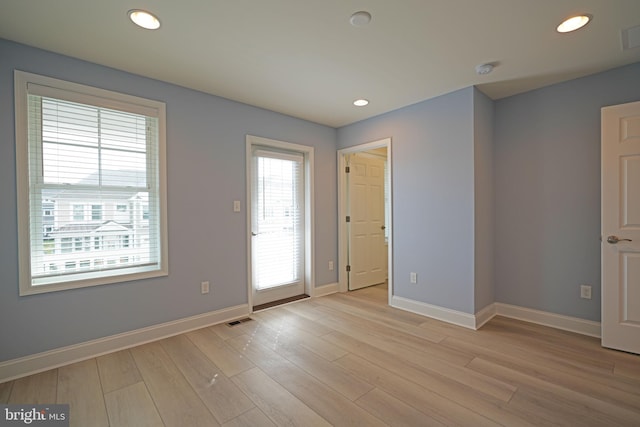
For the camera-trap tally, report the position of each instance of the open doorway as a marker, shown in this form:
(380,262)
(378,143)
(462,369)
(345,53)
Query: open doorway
(365,234)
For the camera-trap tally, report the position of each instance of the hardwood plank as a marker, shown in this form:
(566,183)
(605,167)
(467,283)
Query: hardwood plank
(548,409)
(332,406)
(332,375)
(487,343)
(442,409)
(534,342)
(223,398)
(413,348)
(570,397)
(628,369)
(429,357)
(132,406)
(305,309)
(391,317)
(79,386)
(223,356)
(275,401)
(592,385)
(117,370)
(5,391)
(393,411)
(284,320)
(471,399)
(378,305)
(224,331)
(36,389)
(177,403)
(578,345)
(304,339)
(252,418)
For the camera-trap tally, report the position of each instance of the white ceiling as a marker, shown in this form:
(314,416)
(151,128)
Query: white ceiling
(304,59)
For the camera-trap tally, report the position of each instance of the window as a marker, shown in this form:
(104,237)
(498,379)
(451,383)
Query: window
(78,212)
(83,151)
(96,212)
(67,244)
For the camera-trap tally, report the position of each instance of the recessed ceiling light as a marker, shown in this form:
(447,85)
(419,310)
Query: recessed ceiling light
(573,23)
(144,19)
(360,102)
(360,19)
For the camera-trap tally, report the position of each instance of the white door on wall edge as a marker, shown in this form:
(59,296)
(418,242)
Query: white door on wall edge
(621,227)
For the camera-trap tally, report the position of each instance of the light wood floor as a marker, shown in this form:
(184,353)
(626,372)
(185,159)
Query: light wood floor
(348,359)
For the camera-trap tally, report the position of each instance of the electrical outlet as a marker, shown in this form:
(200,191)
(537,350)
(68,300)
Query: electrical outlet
(585,291)
(236,205)
(331,265)
(413,277)
(204,287)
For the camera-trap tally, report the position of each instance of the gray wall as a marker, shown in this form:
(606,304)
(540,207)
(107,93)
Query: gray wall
(483,123)
(547,186)
(433,196)
(207,241)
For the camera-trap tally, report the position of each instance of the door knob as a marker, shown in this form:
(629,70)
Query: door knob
(615,239)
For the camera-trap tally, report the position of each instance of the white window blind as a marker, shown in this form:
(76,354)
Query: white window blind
(278,218)
(95,199)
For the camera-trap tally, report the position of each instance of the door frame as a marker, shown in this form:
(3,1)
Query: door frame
(309,220)
(343,237)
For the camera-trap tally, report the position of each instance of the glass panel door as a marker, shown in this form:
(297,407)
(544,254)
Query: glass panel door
(277,220)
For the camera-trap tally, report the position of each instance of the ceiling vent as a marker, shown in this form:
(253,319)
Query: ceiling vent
(631,38)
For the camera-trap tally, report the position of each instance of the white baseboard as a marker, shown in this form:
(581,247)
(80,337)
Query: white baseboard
(440,313)
(484,315)
(323,290)
(51,359)
(558,321)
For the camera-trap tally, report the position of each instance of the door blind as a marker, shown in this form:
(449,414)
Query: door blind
(278,218)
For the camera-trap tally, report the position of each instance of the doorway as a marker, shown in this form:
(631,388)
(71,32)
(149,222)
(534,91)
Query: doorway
(279,220)
(365,215)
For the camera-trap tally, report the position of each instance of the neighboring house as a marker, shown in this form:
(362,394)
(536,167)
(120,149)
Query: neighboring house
(112,230)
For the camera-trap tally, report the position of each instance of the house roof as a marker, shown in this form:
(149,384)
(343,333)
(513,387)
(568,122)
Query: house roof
(303,58)
(94,228)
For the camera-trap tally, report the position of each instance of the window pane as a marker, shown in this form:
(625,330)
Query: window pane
(69,164)
(123,131)
(69,123)
(123,168)
(278,245)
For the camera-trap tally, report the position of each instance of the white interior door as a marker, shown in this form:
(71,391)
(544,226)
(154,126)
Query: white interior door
(367,248)
(277,225)
(621,227)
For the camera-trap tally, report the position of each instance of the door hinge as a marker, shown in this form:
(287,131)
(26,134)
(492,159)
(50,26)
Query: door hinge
(348,268)
(347,169)
(348,218)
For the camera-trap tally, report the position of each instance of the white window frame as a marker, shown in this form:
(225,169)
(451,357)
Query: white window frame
(102,98)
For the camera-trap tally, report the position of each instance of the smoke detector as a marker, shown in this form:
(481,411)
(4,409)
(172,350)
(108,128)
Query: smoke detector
(360,19)
(483,69)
